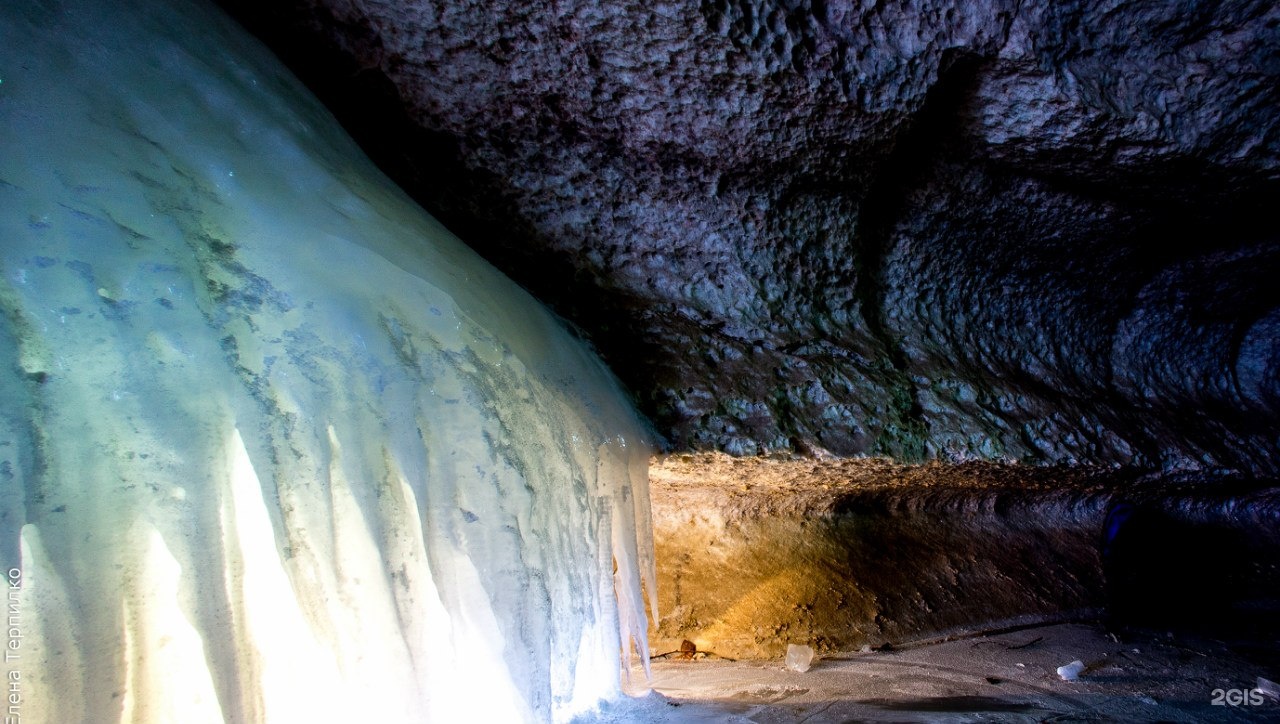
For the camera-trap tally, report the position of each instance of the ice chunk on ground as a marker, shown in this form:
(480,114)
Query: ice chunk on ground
(270,429)
(1071,671)
(799,657)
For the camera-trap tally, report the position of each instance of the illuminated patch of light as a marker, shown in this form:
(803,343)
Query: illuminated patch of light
(460,680)
(273,636)
(166,672)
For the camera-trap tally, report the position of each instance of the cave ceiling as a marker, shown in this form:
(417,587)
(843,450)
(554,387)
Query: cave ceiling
(1004,230)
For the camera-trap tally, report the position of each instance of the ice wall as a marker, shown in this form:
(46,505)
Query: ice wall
(274,445)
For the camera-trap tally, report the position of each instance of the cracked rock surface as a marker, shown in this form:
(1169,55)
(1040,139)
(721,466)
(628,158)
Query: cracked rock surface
(924,229)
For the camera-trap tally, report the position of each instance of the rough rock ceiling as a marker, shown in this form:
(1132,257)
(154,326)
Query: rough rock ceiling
(1020,230)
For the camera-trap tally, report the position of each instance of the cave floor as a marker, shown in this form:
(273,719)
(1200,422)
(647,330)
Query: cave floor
(1008,677)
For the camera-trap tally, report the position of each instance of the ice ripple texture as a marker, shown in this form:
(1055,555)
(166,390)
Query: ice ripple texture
(275,446)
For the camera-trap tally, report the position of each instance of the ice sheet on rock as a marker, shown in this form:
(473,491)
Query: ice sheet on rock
(265,415)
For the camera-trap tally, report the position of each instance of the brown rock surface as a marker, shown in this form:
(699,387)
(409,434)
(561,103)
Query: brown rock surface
(755,553)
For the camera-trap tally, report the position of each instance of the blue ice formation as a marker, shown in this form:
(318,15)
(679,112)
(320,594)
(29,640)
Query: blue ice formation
(275,446)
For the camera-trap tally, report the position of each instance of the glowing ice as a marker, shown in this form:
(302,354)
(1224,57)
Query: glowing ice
(799,657)
(274,445)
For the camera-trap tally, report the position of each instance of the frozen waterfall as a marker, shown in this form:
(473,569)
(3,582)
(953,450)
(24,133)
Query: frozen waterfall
(276,447)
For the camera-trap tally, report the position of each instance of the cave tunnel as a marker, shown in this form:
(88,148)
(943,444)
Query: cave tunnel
(610,361)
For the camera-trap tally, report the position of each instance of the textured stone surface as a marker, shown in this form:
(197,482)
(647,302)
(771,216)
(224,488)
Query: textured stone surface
(1007,230)
(755,553)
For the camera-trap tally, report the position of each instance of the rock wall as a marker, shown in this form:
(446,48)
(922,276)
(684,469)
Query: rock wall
(759,552)
(1005,230)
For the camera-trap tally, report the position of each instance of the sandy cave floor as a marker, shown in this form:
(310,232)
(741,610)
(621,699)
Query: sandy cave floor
(1006,677)
(755,552)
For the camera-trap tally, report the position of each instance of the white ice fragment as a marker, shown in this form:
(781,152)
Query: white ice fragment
(1072,671)
(799,657)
